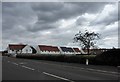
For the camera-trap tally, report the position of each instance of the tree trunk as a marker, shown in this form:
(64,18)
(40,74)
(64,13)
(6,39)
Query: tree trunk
(88,52)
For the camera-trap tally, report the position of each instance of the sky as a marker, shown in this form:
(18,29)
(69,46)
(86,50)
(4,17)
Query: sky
(56,23)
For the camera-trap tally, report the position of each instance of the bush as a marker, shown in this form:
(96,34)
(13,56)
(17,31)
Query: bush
(60,58)
(111,57)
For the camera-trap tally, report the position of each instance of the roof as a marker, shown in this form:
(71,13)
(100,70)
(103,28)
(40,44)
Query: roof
(33,49)
(67,49)
(76,49)
(48,48)
(16,46)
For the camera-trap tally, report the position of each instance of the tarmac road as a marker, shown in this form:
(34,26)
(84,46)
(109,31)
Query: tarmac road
(40,70)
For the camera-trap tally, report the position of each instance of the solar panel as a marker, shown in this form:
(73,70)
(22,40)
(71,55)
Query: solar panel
(67,49)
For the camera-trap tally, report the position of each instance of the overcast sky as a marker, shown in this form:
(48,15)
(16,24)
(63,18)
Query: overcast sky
(56,23)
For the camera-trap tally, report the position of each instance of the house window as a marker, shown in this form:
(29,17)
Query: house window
(26,50)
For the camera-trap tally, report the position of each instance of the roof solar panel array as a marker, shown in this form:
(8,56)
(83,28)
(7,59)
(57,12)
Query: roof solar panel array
(67,49)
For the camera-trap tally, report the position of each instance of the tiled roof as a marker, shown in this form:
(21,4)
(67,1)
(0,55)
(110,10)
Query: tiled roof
(48,48)
(16,46)
(67,49)
(76,49)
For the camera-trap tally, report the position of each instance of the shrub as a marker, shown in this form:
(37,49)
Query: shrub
(111,57)
(60,58)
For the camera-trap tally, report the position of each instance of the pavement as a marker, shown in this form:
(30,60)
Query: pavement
(41,70)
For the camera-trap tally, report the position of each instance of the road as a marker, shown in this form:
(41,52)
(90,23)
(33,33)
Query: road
(41,70)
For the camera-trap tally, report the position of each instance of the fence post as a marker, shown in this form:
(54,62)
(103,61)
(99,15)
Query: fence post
(87,61)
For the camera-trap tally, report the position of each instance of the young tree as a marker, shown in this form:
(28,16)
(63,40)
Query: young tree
(86,39)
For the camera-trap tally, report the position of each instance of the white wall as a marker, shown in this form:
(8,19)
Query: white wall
(13,51)
(61,52)
(82,51)
(47,52)
(68,53)
(77,52)
(27,49)
(38,50)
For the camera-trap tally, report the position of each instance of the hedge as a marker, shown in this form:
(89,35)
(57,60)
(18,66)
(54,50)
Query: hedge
(111,57)
(60,58)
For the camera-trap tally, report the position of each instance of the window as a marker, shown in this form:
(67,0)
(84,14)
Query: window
(26,50)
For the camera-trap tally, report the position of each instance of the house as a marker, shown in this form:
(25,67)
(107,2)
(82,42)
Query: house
(67,50)
(77,51)
(19,49)
(34,51)
(45,49)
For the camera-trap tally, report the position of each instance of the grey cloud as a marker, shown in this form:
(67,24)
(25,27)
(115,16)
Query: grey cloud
(21,13)
(113,17)
(16,14)
(41,27)
(110,18)
(47,6)
(80,21)
(37,18)
(119,10)
(51,12)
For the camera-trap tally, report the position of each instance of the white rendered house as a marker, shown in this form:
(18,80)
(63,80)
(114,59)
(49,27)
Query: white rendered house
(44,49)
(19,49)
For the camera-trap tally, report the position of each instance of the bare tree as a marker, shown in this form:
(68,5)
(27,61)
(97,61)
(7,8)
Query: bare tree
(87,39)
